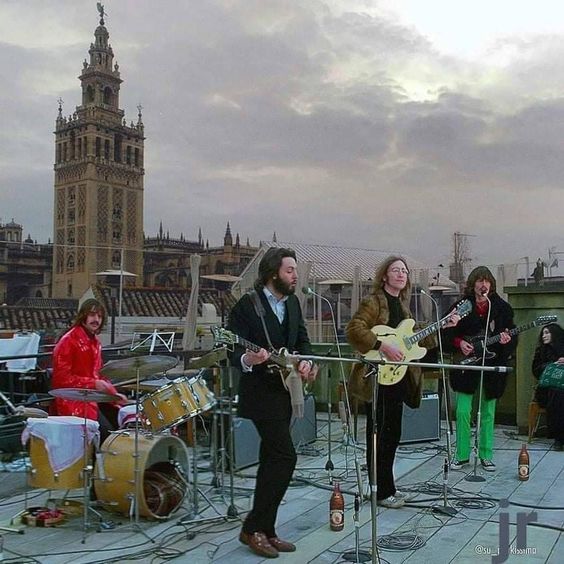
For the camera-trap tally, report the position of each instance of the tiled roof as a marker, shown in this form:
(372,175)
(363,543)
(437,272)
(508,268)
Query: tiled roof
(18,317)
(160,302)
(65,303)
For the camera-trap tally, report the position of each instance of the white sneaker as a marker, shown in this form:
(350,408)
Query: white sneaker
(391,502)
(487,465)
(405,496)
(458,464)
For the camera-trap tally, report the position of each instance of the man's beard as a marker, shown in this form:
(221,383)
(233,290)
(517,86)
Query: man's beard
(282,287)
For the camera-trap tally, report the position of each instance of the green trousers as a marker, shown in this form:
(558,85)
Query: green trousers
(463,431)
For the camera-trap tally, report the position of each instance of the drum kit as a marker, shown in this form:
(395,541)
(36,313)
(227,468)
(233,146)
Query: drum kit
(141,469)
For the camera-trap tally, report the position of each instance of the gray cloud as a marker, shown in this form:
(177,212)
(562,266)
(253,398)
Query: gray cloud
(344,128)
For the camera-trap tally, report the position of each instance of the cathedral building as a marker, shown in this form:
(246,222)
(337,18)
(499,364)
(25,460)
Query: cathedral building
(98,211)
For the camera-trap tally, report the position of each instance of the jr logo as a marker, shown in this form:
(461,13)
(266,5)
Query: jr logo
(523,519)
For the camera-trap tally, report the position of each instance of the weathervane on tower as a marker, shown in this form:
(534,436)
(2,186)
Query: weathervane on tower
(100,7)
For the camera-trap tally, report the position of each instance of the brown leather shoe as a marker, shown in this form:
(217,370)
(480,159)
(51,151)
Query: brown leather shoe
(259,544)
(282,545)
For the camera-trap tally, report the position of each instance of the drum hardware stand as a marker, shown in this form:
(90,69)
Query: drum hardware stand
(136,472)
(190,518)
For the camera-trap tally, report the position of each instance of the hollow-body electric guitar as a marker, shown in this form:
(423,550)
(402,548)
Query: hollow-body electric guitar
(478,340)
(407,341)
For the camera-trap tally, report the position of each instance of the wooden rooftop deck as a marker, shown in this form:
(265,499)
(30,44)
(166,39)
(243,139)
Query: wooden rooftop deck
(471,536)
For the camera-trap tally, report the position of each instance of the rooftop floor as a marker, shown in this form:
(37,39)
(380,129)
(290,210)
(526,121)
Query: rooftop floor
(202,532)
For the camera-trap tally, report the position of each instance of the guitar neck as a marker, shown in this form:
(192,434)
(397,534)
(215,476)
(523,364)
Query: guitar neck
(515,331)
(274,357)
(429,330)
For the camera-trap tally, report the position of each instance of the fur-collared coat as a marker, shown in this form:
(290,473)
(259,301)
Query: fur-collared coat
(373,310)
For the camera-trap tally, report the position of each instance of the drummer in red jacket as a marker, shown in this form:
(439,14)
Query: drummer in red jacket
(77,360)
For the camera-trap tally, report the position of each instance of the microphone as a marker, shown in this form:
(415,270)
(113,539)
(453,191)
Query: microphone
(307,291)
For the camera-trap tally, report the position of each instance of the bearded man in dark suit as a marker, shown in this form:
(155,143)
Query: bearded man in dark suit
(263,398)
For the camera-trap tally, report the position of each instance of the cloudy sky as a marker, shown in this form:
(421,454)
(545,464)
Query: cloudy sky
(379,124)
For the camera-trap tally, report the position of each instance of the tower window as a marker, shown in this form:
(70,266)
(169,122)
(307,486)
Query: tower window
(117,148)
(89,93)
(107,95)
(98,147)
(107,150)
(136,156)
(128,155)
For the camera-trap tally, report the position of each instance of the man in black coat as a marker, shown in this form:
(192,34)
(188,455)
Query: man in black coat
(263,397)
(487,308)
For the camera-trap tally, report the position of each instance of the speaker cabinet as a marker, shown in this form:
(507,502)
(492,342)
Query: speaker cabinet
(419,425)
(246,438)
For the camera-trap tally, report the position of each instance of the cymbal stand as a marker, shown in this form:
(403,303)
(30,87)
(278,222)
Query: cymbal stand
(134,509)
(190,518)
(216,481)
(87,469)
(136,470)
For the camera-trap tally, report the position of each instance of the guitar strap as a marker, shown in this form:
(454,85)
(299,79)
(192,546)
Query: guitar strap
(292,383)
(259,310)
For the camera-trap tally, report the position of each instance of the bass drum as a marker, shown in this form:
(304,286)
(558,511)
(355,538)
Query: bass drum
(163,471)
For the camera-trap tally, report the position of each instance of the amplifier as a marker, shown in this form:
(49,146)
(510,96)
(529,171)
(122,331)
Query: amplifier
(246,439)
(421,424)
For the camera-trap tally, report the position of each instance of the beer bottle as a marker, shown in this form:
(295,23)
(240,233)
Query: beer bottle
(523,463)
(337,509)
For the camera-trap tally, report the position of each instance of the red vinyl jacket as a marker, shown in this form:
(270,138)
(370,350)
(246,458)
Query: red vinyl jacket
(77,359)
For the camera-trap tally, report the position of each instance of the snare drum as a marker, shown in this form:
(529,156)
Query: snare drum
(57,450)
(203,397)
(170,405)
(162,465)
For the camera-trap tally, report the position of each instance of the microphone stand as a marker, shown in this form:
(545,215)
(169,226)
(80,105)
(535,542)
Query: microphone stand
(445,508)
(474,476)
(375,364)
(329,466)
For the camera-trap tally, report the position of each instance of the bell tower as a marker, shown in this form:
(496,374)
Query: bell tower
(98,212)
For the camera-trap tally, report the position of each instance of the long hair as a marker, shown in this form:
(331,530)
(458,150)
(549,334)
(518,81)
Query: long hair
(90,306)
(557,337)
(270,265)
(479,273)
(382,271)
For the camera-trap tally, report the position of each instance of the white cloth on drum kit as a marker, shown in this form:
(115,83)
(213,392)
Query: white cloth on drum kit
(63,438)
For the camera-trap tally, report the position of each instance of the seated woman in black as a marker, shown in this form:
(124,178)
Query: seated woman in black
(550,348)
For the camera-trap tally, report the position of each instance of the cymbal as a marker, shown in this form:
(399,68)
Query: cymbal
(84,394)
(127,368)
(24,411)
(213,358)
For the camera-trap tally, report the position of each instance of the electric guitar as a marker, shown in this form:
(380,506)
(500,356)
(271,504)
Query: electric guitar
(478,340)
(407,341)
(281,359)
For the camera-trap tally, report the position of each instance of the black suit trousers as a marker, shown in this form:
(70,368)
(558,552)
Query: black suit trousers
(388,416)
(277,460)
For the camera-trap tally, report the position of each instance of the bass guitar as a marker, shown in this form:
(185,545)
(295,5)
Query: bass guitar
(407,341)
(281,359)
(478,340)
